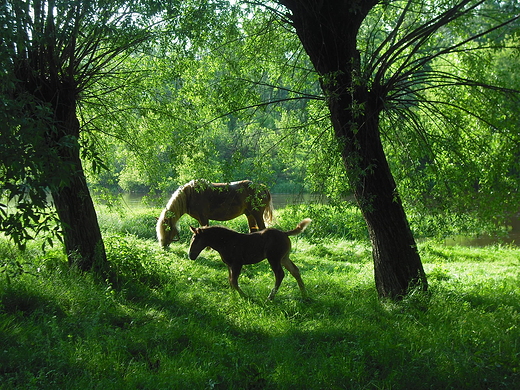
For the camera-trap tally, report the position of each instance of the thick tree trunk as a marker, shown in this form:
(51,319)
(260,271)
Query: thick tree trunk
(328,32)
(81,233)
(47,67)
(397,265)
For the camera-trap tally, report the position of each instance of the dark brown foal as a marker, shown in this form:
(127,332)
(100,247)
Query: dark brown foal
(237,249)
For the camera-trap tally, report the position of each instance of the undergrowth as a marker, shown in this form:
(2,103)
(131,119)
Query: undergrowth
(162,321)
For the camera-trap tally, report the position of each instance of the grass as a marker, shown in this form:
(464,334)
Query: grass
(166,322)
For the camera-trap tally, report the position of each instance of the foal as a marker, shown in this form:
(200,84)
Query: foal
(237,249)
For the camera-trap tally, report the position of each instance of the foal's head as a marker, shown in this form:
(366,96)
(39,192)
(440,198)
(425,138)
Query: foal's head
(167,230)
(198,243)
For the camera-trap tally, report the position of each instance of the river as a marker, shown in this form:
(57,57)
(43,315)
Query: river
(512,238)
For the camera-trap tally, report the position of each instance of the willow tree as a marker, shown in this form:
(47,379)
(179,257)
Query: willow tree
(395,67)
(54,53)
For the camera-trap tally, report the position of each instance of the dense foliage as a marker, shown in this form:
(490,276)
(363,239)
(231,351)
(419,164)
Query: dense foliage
(253,108)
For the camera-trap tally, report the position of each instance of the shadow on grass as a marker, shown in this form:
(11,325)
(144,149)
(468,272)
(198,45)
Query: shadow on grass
(155,328)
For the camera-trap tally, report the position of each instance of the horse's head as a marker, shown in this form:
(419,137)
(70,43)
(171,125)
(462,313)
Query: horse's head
(197,242)
(167,231)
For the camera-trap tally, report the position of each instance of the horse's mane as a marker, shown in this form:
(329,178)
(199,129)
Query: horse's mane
(178,203)
(219,228)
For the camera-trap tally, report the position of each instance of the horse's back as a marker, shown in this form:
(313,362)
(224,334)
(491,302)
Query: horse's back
(254,247)
(225,201)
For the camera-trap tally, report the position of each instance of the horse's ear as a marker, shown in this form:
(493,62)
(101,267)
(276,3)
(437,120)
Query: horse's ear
(157,218)
(194,230)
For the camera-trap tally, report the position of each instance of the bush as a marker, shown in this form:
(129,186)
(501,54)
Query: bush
(328,221)
(139,222)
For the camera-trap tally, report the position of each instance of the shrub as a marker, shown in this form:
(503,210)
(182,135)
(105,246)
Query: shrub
(328,221)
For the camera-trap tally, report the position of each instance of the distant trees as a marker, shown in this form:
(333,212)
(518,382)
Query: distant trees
(224,109)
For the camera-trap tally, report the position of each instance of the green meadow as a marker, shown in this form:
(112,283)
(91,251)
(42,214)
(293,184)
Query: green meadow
(161,321)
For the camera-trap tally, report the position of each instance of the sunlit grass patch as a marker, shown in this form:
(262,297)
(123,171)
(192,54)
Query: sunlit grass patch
(437,252)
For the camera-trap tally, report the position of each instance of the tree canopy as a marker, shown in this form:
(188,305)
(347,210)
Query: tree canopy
(53,54)
(205,97)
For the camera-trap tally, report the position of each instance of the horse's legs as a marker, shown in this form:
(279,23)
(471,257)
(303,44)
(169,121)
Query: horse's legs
(203,221)
(253,225)
(278,276)
(234,273)
(294,270)
(259,216)
(256,220)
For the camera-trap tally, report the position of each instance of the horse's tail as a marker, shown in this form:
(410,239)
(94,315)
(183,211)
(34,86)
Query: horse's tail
(269,211)
(299,228)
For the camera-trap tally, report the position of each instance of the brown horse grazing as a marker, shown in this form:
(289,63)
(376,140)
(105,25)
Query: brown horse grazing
(216,201)
(237,249)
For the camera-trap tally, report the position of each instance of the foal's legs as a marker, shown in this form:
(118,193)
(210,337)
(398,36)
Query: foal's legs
(234,273)
(293,269)
(276,266)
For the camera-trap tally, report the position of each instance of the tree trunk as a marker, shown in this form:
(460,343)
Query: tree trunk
(397,265)
(81,234)
(328,32)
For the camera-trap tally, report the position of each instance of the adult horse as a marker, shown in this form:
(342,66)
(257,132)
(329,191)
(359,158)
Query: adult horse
(206,201)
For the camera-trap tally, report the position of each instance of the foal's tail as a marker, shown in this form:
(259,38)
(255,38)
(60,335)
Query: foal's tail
(299,228)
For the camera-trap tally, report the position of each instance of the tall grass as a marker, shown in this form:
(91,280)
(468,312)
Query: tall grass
(163,321)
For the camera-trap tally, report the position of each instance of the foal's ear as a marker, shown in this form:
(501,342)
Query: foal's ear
(194,230)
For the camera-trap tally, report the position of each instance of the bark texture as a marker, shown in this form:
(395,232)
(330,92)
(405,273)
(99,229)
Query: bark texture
(81,233)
